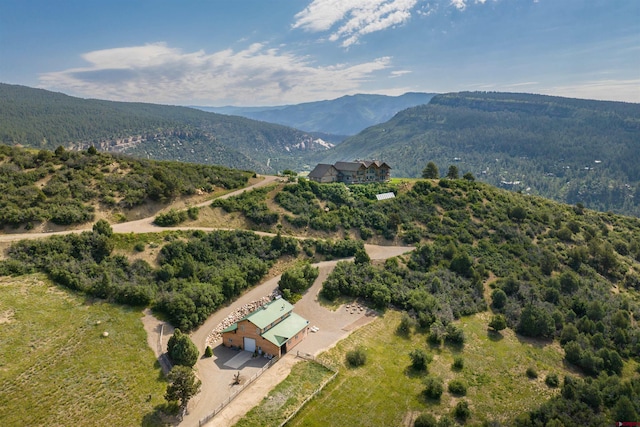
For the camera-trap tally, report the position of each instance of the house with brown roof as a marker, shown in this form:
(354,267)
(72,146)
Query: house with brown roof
(272,330)
(358,172)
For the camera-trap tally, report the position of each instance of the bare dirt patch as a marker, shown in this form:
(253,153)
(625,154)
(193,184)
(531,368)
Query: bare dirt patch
(7,316)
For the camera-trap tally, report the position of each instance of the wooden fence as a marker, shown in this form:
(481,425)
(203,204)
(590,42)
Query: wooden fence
(229,399)
(310,357)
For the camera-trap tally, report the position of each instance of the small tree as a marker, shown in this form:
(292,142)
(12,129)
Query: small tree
(183,385)
(430,171)
(457,387)
(361,257)
(433,388)
(103,227)
(208,352)
(469,176)
(498,322)
(357,357)
(425,420)
(182,350)
(498,299)
(454,334)
(419,359)
(458,363)
(406,323)
(452,173)
(462,411)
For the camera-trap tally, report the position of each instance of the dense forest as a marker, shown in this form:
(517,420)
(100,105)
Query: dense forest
(66,187)
(565,149)
(42,119)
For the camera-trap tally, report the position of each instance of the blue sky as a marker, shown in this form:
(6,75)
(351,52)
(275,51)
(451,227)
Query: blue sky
(278,52)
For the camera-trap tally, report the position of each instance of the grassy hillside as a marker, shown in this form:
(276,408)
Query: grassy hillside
(42,119)
(68,187)
(56,368)
(493,368)
(566,149)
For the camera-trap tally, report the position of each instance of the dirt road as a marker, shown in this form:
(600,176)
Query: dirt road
(333,326)
(144,225)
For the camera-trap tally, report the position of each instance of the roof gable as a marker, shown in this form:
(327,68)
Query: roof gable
(269,313)
(320,170)
(286,329)
(349,166)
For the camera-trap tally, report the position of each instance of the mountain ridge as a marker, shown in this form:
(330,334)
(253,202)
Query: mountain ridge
(571,150)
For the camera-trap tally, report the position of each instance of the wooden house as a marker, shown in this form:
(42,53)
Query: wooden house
(358,172)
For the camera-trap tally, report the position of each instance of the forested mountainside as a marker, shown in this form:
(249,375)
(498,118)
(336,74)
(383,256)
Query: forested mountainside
(346,115)
(42,119)
(562,275)
(67,187)
(569,150)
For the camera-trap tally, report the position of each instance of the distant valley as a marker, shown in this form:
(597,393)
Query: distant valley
(335,119)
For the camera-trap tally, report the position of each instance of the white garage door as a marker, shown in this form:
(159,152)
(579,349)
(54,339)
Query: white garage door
(249,344)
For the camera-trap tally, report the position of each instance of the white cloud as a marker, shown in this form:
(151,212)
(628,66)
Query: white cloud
(462,4)
(459,4)
(400,73)
(356,17)
(257,75)
(608,89)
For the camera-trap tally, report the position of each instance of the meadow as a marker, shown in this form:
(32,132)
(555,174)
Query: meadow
(386,391)
(58,369)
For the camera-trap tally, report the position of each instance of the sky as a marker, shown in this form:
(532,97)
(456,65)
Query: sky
(278,52)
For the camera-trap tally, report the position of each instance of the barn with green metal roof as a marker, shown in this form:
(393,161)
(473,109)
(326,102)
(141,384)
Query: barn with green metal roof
(272,330)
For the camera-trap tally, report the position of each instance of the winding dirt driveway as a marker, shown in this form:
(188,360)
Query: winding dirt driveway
(333,325)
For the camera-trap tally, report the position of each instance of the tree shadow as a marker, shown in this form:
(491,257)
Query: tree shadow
(412,372)
(454,347)
(536,342)
(494,336)
(164,414)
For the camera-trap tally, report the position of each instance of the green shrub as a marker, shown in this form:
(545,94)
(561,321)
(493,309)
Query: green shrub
(461,411)
(532,373)
(454,334)
(433,388)
(139,247)
(356,357)
(425,420)
(552,380)
(171,218)
(458,363)
(457,387)
(208,352)
(498,322)
(419,359)
(182,350)
(405,326)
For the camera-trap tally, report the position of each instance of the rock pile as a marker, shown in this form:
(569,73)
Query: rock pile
(216,334)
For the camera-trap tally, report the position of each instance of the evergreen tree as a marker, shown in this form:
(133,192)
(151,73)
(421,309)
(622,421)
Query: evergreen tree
(430,171)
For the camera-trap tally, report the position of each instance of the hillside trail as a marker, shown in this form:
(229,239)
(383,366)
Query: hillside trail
(144,225)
